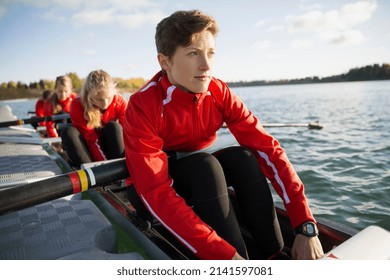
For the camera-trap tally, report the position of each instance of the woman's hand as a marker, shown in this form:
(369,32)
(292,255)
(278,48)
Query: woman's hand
(237,257)
(306,248)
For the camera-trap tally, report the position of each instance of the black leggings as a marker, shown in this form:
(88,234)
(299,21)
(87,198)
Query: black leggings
(76,148)
(202,179)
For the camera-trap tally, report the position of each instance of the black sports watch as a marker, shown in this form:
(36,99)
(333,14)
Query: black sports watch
(309,229)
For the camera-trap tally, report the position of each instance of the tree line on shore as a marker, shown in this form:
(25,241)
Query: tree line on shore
(367,73)
(15,90)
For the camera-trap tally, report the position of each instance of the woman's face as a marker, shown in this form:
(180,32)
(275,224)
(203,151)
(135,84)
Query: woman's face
(63,92)
(102,99)
(190,68)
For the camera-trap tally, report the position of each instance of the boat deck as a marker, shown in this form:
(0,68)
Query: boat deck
(22,159)
(80,226)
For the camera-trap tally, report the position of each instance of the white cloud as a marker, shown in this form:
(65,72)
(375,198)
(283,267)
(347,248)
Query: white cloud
(261,45)
(96,4)
(335,26)
(92,17)
(343,37)
(139,19)
(302,44)
(272,56)
(123,12)
(129,4)
(89,52)
(107,16)
(359,12)
(275,28)
(260,23)
(308,5)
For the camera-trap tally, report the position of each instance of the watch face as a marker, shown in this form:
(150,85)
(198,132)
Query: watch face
(309,228)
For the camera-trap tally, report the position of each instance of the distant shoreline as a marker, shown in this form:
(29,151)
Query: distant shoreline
(33,94)
(291,82)
(367,73)
(374,72)
(10,94)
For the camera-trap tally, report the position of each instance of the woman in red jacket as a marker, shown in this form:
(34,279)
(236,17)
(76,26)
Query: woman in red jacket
(181,109)
(39,107)
(59,103)
(97,117)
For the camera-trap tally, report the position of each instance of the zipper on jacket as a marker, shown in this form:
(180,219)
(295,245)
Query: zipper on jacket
(195,122)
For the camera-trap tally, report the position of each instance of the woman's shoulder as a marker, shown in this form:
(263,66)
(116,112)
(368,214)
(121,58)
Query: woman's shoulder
(118,98)
(148,102)
(76,99)
(119,103)
(151,93)
(76,103)
(76,109)
(218,84)
(40,102)
(220,90)
(151,89)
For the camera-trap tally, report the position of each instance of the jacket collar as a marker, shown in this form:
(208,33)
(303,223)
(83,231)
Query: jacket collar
(172,92)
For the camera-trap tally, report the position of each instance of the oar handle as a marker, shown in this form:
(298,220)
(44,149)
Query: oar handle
(62,185)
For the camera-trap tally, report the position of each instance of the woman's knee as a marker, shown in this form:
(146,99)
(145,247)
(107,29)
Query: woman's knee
(206,164)
(236,154)
(240,166)
(237,157)
(112,140)
(208,177)
(70,133)
(113,128)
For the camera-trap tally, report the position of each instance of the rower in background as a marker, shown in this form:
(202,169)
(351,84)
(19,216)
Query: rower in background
(59,103)
(97,118)
(39,107)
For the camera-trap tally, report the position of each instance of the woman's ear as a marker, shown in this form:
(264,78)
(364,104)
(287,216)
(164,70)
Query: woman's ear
(163,61)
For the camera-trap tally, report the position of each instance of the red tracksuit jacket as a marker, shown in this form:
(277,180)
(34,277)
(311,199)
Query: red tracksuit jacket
(48,107)
(161,117)
(39,110)
(114,112)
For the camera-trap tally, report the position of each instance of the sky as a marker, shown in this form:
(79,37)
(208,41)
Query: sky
(258,39)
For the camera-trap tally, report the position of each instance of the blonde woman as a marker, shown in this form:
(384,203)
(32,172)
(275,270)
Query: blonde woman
(97,117)
(59,103)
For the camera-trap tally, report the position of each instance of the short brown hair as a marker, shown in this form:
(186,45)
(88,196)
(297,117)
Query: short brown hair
(178,29)
(63,81)
(46,94)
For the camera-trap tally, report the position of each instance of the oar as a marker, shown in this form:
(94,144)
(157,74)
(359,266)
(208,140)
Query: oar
(312,125)
(62,185)
(35,120)
(29,140)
